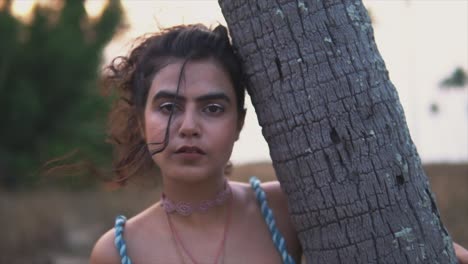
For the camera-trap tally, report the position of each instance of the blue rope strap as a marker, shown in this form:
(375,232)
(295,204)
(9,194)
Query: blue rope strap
(119,239)
(278,239)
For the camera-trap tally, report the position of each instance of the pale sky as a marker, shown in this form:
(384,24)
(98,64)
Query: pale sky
(421,42)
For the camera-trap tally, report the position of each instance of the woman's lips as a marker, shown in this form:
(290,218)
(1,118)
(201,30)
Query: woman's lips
(190,152)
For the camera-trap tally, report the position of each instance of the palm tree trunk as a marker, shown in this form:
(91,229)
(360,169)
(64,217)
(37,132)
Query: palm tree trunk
(337,132)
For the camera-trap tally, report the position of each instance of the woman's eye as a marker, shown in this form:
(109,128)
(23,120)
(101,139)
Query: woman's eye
(168,107)
(214,108)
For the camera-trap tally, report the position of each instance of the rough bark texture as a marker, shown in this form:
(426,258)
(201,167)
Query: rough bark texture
(337,132)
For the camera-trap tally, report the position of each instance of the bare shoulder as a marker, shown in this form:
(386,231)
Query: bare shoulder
(104,250)
(277,200)
(275,196)
(278,203)
(140,233)
(244,194)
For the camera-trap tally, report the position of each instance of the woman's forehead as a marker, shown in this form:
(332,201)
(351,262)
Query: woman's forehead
(195,77)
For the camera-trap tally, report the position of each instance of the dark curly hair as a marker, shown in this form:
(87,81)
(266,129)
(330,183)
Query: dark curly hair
(132,76)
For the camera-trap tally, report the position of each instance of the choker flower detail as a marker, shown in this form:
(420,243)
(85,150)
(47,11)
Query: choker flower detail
(187,208)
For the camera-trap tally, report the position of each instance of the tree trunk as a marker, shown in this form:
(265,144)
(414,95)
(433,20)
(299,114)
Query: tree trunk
(336,132)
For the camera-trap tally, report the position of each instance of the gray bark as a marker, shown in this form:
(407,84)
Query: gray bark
(337,132)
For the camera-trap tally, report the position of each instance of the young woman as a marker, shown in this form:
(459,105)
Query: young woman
(182,109)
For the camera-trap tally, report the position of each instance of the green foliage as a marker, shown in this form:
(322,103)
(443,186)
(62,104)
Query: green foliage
(458,79)
(49,72)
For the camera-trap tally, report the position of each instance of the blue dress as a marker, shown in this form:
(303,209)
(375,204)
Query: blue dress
(267,213)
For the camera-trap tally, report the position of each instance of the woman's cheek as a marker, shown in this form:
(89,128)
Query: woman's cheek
(155,128)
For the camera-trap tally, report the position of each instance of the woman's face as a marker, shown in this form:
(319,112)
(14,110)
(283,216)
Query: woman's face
(205,121)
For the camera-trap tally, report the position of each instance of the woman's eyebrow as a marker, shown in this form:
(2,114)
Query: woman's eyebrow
(213,96)
(205,97)
(168,95)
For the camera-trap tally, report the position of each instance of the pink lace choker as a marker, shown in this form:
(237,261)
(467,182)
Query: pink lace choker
(187,208)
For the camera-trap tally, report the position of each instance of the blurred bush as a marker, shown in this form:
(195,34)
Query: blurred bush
(50,104)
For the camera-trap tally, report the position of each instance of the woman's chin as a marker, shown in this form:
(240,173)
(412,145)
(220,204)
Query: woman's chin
(191,174)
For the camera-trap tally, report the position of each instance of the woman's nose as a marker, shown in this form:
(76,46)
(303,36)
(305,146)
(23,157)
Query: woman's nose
(189,126)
